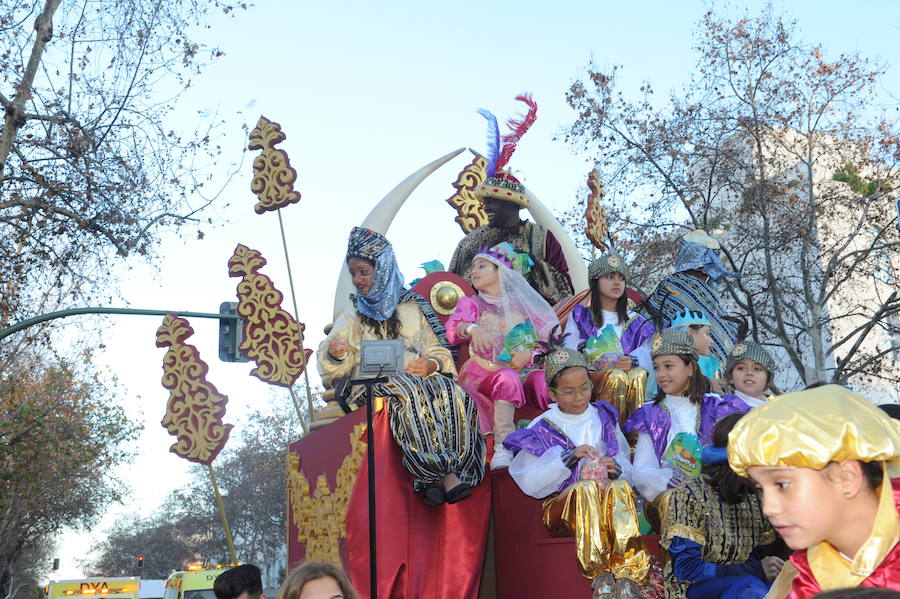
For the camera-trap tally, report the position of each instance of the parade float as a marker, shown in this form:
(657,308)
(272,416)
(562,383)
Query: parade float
(492,544)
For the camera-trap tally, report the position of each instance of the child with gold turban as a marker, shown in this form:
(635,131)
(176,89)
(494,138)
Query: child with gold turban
(823,461)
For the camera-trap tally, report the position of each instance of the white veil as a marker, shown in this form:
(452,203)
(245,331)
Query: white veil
(520,302)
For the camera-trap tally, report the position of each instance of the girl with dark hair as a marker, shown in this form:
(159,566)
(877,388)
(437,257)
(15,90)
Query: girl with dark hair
(620,382)
(749,371)
(714,529)
(680,420)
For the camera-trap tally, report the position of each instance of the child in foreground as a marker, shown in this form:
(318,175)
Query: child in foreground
(822,461)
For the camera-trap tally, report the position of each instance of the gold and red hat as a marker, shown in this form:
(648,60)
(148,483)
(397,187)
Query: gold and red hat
(500,184)
(503,187)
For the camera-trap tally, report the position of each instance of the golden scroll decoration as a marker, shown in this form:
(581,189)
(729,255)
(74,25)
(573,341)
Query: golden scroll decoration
(271,335)
(195,408)
(595,213)
(321,519)
(469,209)
(273,176)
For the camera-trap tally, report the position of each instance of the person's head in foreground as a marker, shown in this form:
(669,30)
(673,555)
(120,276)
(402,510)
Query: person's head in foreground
(317,580)
(818,458)
(240,582)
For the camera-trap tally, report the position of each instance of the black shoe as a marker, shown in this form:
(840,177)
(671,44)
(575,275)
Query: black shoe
(433,495)
(458,493)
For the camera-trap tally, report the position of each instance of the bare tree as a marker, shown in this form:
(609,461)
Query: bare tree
(784,154)
(186,527)
(89,167)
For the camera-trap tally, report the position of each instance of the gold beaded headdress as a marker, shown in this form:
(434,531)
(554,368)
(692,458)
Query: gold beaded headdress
(606,264)
(673,342)
(751,351)
(557,357)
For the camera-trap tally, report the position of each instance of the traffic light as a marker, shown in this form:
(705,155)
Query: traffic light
(140,562)
(230,335)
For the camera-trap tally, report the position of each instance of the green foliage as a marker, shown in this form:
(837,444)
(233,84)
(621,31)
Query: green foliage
(848,174)
(61,434)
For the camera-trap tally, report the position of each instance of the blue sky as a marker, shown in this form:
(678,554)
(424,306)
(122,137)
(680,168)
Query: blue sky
(367,92)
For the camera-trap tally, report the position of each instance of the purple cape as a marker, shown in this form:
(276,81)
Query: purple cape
(655,421)
(543,435)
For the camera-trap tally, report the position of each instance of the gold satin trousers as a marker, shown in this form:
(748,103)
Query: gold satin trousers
(624,390)
(605,526)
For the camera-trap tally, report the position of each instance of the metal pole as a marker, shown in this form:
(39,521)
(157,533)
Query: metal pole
(370,437)
(287,260)
(88,310)
(222,516)
(370,455)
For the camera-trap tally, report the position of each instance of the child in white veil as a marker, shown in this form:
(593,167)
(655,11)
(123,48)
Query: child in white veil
(499,374)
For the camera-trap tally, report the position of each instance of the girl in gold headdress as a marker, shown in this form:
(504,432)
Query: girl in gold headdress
(822,460)
(674,427)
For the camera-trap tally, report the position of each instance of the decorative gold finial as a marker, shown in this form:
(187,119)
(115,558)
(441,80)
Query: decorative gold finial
(469,209)
(595,213)
(195,408)
(273,176)
(272,337)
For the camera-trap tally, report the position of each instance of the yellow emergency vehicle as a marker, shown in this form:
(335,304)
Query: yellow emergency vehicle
(94,588)
(194,583)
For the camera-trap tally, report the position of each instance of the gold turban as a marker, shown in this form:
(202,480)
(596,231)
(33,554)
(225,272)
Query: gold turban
(809,429)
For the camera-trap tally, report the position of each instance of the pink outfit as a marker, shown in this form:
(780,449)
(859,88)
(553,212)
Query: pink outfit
(482,376)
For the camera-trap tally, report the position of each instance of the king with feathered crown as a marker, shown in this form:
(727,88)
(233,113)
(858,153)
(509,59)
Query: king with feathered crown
(504,196)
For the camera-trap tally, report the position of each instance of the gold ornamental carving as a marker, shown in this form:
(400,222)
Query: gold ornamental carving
(469,209)
(595,213)
(272,337)
(321,519)
(273,176)
(195,407)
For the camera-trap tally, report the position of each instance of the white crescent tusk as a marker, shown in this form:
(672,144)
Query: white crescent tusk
(542,216)
(381,217)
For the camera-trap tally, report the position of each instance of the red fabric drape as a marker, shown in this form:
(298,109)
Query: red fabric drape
(422,551)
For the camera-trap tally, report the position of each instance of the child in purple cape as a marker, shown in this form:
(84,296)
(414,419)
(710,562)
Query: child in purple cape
(673,429)
(576,454)
(622,382)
